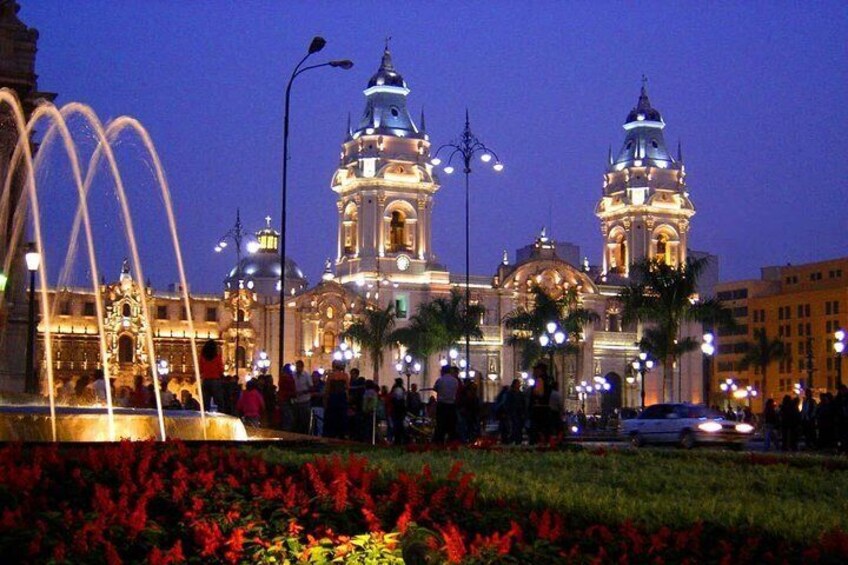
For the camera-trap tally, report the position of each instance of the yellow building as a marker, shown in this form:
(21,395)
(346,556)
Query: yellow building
(802,305)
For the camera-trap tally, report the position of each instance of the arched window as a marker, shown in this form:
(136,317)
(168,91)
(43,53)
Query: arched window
(126,350)
(329,341)
(397,232)
(665,246)
(350,225)
(126,311)
(240,357)
(240,316)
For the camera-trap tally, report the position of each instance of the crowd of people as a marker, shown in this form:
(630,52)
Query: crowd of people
(343,405)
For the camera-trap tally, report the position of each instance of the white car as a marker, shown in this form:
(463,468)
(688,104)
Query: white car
(684,424)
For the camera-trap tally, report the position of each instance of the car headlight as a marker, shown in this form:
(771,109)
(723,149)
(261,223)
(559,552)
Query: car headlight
(744,428)
(710,427)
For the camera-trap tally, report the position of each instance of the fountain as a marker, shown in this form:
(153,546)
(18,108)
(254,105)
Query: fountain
(20,420)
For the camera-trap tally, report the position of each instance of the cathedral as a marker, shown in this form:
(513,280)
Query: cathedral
(385,186)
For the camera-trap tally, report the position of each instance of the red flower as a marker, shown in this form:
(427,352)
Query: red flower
(454,545)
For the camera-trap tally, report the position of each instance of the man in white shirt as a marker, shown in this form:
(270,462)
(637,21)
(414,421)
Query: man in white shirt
(302,406)
(447,389)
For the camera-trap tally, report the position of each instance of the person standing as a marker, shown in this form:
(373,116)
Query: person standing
(336,391)
(789,422)
(251,405)
(808,419)
(285,398)
(211,374)
(771,422)
(99,387)
(540,405)
(303,396)
(317,404)
(516,412)
(414,405)
(447,388)
(556,406)
(398,411)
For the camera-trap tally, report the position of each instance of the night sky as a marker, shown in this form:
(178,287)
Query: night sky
(756,92)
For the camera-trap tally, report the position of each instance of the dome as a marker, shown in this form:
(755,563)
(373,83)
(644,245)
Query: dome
(261,272)
(386,75)
(643,111)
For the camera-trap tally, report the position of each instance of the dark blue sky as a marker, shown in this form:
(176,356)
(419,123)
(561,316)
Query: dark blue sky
(758,93)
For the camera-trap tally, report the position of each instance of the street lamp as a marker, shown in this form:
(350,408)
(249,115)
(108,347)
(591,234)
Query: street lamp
(748,393)
(728,387)
(33,262)
(642,365)
(263,363)
(708,349)
(584,389)
(315,46)
(236,234)
(343,353)
(839,349)
(552,339)
(408,367)
(464,149)
(4,279)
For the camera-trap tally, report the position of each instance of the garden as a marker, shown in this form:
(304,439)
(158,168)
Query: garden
(179,503)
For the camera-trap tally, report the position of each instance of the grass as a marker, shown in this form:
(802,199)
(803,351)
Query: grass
(794,498)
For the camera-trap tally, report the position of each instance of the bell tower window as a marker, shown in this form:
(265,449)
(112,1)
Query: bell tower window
(350,230)
(398,233)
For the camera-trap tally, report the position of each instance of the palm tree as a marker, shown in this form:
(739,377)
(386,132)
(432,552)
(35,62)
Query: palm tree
(529,324)
(662,297)
(439,325)
(374,334)
(761,353)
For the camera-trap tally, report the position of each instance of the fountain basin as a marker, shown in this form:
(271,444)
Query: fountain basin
(85,424)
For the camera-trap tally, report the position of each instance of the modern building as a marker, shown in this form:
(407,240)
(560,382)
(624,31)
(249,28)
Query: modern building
(803,306)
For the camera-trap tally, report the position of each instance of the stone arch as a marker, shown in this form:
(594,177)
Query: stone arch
(400,219)
(665,245)
(613,398)
(350,224)
(126,350)
(618,257)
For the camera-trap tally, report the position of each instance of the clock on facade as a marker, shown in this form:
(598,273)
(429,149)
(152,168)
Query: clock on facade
(402,262)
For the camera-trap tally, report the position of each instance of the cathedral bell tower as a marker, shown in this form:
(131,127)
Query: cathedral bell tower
(385,186)
(644,207)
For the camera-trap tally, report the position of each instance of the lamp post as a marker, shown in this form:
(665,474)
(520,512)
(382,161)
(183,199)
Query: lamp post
(33,262)
(464,149)
(584,389)
(343,353)
(315,46)
(708,350)
(728,387)
(236,234)
(839,349)
(263,363)
(552,339)
(642,365)
(408,367)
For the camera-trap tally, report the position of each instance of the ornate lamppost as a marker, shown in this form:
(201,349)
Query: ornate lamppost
(344,353)
(551,340)
(33,262)
(315,46)
(728,387)
(407,367)
(236,234)
(642,365)
(464,149)
(263,363)
(584,389)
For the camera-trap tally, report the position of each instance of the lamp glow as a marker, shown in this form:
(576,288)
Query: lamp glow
(543,340)
(485,157)
(498,167)
(551,327)
(33,258)
(559,337)
(449,170)
(436,161)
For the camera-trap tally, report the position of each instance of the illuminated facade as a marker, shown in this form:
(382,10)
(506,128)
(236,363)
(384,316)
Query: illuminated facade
(801,305)
(645,207)
(385,188)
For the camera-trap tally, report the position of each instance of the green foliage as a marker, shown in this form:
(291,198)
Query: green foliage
(374,334)
(529,323)
(762,353)
(440,324)
(661,296)
(795,498)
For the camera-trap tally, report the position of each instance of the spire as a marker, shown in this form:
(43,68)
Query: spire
(349,130)
(679,151)
(643,111)
(609,155)
(422,127)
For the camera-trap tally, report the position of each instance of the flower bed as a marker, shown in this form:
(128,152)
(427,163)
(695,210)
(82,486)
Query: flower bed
(170,503)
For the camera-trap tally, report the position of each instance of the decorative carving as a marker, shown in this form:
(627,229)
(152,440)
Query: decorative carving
(650,222)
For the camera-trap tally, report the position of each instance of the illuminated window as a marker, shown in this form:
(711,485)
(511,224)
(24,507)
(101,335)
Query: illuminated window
(349,225)
(329,341)
(398,236)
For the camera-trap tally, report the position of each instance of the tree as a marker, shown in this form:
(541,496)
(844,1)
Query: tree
(373,333)
(761,353)
(662,297)
(530,323)
(440,324)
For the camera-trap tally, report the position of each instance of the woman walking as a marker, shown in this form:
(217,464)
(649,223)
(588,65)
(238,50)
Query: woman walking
(211,374)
